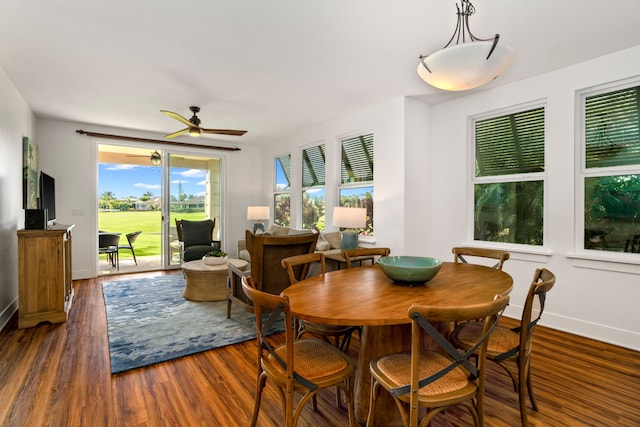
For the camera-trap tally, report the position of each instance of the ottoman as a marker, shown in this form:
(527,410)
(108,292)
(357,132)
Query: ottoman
(207,282)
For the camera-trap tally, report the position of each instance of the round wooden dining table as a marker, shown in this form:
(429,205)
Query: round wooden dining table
(365,296)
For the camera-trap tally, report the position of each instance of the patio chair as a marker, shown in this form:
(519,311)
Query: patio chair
(108,244)
(131,238)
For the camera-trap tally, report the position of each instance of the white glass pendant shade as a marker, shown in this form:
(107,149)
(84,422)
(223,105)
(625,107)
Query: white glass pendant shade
(465,66)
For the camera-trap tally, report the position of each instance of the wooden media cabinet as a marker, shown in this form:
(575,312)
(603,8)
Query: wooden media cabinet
(45,287)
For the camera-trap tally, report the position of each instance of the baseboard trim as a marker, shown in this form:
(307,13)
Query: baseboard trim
(610,335)
(8,313)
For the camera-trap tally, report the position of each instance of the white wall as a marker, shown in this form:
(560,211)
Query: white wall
(386,121)
(588,301)
(16,121)
(421,192)
(71,159)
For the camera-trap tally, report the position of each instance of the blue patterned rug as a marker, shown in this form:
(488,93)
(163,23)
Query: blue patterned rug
(149,322)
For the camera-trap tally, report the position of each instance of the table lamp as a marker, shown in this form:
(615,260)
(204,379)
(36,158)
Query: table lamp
(258,214)
(349,218)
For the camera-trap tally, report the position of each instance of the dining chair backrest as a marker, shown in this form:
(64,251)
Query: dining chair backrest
(442,377)
(508,345)
(350,254)
(304,365)
(543,281)
(461,254)
(304,260)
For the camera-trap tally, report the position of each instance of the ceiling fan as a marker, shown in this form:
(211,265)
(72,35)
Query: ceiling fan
(193,125)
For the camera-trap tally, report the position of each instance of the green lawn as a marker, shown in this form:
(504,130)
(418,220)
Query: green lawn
(150,222)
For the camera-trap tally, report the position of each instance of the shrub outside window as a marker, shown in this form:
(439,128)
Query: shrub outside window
(509,178)
(281,193)
(610,143)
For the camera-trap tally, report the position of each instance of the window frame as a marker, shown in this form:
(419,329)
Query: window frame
(582,172)
(285,191)
(506,178)
(302,189)
(359,184)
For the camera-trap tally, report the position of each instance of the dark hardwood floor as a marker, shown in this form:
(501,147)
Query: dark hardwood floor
(59,375)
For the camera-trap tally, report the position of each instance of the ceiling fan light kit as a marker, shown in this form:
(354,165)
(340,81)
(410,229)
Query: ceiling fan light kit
(468,63)
(193,125)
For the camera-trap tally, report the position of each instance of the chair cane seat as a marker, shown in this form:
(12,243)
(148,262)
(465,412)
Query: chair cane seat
(315,360)
(397,369)
(501,340)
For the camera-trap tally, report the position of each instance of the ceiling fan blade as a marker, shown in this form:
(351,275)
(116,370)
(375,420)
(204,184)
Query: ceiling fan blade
(180,132)
(178,117)
(225,131)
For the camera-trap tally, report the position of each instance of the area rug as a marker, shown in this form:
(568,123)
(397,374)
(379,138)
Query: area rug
(149,321)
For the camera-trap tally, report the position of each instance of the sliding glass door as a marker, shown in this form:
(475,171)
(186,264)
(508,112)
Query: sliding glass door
(144,189)
(194,194)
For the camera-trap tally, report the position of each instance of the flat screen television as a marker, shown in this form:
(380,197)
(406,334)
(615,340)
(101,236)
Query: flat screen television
(48,197)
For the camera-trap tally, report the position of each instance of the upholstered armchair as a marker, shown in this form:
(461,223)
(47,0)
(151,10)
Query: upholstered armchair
(196,238)
(266,271)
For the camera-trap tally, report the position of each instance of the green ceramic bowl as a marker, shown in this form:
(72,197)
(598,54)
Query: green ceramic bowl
(409,270)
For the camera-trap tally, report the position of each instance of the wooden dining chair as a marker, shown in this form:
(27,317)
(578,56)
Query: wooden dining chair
(304,365)
(340,333)
(461,252)
(436,379)
(514,345)
(360,254)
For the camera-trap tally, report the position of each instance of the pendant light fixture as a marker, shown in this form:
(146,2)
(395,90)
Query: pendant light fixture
(466,61)
(155,158)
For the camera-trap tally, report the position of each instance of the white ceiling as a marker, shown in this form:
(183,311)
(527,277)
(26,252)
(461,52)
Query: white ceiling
(271,67)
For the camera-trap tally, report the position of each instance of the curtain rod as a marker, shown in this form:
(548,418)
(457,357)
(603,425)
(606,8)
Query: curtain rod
(158,141)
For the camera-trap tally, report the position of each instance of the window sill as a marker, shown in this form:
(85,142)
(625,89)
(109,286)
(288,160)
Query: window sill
(367,240)
(599,260)
(519,252)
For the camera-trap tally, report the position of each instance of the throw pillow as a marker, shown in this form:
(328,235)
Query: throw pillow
(278,230)
(333,238)
(298,232)
(322,244)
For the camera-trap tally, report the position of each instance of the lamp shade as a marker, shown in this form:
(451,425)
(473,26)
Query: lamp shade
(258,212)
(465,66)
(349,217)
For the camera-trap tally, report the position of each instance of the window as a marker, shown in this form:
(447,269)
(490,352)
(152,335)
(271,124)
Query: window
(281,193)
(610,142)
(356,182)
(509,178)
(313,187)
